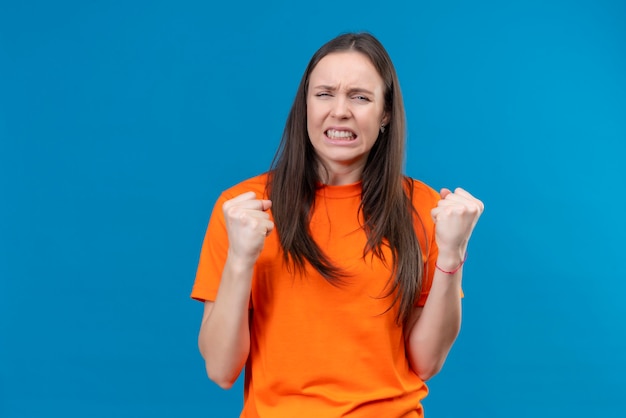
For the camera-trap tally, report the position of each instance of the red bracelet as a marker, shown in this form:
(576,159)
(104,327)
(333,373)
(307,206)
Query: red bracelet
(456,269)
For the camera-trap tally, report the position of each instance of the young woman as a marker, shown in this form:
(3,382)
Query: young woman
(333,278)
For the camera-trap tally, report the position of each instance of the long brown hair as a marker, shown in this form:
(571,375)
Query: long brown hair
(386,195)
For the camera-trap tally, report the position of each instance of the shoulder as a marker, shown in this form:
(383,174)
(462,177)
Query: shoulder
(257,184)
(422,195)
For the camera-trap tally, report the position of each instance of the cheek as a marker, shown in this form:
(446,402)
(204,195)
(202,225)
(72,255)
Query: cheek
(374,121)
(314,118)
(312,126)
(370,125)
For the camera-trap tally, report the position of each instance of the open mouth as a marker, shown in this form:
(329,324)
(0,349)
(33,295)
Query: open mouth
(340,135)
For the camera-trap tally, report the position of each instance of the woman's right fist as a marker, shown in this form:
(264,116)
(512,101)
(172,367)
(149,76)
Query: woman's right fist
(247,224)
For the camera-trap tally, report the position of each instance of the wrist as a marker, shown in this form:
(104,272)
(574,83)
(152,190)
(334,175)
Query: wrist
(239,264)
(450,263)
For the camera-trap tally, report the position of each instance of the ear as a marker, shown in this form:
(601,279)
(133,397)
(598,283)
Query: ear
(385,120)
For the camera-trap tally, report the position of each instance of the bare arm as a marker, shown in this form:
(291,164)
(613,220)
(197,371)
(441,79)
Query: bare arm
(224,338)
(433,329)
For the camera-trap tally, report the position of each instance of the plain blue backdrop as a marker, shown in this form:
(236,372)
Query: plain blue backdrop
(120,123)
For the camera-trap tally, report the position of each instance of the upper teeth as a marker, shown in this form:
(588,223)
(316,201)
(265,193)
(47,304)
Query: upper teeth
(332,133)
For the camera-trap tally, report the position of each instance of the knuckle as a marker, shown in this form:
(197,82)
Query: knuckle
(238,215)
(232,212)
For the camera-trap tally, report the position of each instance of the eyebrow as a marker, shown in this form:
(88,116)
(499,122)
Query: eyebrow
(350,91)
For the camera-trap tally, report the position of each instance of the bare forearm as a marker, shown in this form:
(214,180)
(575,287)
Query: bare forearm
(224,338)
(434,327)
(437,326)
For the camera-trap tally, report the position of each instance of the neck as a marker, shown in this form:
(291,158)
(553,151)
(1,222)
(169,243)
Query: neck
(338,175)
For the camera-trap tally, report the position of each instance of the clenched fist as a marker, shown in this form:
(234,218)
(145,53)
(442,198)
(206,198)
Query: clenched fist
(455,216)
(247,224)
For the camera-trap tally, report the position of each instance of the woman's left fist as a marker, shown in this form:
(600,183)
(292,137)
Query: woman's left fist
(455,216)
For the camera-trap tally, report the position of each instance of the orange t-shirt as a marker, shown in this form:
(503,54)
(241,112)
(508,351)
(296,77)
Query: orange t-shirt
(319,350)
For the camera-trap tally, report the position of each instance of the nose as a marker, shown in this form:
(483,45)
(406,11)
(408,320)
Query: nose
(340,108)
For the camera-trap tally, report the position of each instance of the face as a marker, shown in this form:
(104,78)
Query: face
(345,109)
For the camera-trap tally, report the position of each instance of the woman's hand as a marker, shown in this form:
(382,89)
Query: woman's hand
(455,216)
(247,224)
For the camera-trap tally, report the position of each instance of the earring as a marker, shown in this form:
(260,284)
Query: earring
(382,129)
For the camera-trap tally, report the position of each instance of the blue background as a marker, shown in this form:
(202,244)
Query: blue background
(120,123)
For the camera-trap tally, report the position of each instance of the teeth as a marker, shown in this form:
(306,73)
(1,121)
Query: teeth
(332,133)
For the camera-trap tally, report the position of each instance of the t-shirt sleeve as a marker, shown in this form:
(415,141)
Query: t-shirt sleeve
(212,256)
(424,200)
(429,268)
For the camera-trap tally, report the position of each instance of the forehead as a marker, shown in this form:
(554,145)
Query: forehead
(346,69)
